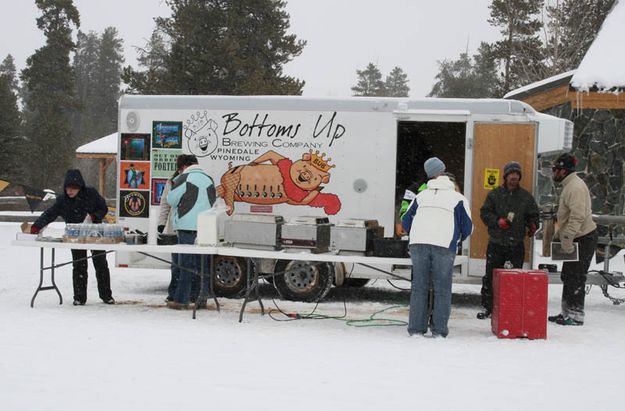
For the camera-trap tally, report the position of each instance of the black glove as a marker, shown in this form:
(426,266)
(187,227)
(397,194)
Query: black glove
(160,229)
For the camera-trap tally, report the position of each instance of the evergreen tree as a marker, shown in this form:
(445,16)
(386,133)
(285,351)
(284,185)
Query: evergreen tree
(520,53)
(49,80)
(10,165)
(572,27)
(467,77)
(369,82)
(396,83)
(486,82)
(7,69)
(110,64)
(85,68)
(152,60)
(224,47)
(97,64)
(454,78)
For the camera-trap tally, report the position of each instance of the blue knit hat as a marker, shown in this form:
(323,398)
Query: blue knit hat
(433,167)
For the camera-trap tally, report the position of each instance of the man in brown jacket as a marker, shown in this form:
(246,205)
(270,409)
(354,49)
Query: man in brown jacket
(576,226)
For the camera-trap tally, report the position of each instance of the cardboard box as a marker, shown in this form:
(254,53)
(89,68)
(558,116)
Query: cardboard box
(25,237)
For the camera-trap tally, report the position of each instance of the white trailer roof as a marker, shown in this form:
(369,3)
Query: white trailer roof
(293,103)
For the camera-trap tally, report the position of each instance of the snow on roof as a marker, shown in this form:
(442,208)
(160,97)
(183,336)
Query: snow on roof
(604,62)
(538,84)
(107,144)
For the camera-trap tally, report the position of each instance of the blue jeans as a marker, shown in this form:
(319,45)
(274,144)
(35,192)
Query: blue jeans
(188,281)
(175,276)
(430,265)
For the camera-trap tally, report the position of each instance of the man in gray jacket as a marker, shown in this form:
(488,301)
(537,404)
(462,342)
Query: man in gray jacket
(576,226)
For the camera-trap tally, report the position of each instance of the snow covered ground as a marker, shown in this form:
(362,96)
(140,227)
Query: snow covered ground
(138,355)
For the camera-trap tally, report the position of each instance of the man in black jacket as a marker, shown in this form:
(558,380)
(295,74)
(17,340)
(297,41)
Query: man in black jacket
(73,206)
(509,212)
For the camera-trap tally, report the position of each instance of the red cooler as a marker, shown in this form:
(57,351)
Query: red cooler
(519,303)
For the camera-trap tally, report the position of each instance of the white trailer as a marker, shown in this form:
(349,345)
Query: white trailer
(359,155)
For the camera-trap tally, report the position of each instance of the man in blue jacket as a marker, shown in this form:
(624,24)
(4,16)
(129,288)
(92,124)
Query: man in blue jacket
(192,192)
(73,206)
(437,219)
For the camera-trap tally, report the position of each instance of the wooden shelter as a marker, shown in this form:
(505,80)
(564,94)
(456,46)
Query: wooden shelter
(105,151)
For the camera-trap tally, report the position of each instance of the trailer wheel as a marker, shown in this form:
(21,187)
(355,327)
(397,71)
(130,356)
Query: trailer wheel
(230,276)
(307,281)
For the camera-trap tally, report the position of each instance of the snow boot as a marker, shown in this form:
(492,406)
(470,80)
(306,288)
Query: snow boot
(483,315)
(555,318)
(568,321)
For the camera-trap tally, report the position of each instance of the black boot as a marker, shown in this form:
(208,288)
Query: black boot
(483,315)
(555,318)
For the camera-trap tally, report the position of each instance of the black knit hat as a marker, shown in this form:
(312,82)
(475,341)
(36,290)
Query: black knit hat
(512,167)
(566,161)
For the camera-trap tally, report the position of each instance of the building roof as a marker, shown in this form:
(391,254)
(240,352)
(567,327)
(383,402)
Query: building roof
(550,82)
(104,145)
(603,65)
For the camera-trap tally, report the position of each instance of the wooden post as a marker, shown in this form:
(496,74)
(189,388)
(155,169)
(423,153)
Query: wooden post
(104,163)
(548,231)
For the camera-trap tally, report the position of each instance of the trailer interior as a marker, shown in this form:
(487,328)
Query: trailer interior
(417,141)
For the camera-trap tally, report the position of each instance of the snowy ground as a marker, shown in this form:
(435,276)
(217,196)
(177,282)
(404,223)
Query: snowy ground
(138,355)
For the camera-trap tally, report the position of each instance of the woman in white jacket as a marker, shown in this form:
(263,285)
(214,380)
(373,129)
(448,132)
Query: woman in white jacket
(437,219)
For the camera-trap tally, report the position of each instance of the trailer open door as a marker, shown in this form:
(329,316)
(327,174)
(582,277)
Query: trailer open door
(493,146)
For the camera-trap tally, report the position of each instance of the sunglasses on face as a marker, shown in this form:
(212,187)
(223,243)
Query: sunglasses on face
(555,168)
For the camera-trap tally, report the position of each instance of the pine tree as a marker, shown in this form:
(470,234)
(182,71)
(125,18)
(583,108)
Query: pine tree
(98,65)
(49,82)
(224,47)
(572,27)
(369,82)
(108,84)
(396,83)
(520,53)
(152,59)
(85,68)
(454,78)
(486,82)
(467,77)
(10,165)
(7,69)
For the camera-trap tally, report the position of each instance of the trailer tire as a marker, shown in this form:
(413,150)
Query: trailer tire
(307,281)
(229,276)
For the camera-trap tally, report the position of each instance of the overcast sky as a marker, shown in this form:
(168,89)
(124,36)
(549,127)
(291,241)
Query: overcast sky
(342,35)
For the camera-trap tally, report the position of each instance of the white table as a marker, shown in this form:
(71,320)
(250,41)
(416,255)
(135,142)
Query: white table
(224,250)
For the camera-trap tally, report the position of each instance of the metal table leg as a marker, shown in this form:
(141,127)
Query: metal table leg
(40,287)
(203,297)
(252,286)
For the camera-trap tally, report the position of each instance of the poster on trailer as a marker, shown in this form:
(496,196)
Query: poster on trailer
(167,134)
(135,147)
(164,163)
(158,185)
(134,174)
(134,203)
